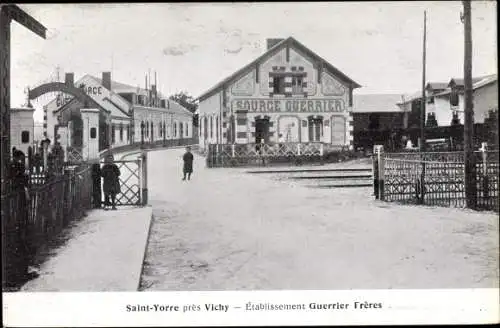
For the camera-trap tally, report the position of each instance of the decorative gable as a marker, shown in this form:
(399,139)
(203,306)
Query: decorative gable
(245,86)
(330,86)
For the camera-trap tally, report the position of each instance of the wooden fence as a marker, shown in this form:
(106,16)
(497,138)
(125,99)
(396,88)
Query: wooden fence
(31,223)
(435,178)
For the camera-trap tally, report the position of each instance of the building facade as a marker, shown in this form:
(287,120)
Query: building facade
(126,115)
(288,94)
(445,100)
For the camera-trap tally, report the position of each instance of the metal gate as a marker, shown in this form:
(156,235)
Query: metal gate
(130,182)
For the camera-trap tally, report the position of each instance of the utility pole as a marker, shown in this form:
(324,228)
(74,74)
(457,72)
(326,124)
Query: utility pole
(470,167)
(421,184)
(423,103)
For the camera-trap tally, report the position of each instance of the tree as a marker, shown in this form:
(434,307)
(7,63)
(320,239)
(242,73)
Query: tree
(188,102)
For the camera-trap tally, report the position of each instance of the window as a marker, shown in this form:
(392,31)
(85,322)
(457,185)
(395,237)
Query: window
(279,85)
(315,129)
(211,127)
(160,129)
(186,129)
(121,131)
(147,129)
(25,137)
(217,128)
(93,133)
(297,83)
(113,137)
(430,100)
(181,126)
(205,131)
(175,129)
(454,98)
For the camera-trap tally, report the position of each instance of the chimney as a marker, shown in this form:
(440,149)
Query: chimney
(106,80)
(69,79)
(272,42)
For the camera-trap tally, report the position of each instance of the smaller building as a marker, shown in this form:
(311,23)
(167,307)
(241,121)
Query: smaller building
(378,112)
(378,119)
(22,129)
(445,101)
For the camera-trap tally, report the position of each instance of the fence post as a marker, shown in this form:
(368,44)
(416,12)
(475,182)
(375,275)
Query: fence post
(375,171)
(298,149)
(232,150)
(421,182)
(380,172)
(486,183)
(144,178)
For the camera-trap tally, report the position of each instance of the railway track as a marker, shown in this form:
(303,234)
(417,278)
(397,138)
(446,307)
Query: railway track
(324,178)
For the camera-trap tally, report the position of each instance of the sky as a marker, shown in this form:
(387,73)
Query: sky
(192,46)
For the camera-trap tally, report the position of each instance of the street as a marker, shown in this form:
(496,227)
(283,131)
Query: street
(230,230)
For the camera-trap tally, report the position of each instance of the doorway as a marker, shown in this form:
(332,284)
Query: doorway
(262,130)
(76,124)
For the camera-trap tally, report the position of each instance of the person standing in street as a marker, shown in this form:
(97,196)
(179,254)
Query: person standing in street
(188,164)
(111,186)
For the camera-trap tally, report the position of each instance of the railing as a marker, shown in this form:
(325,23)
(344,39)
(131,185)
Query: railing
(31,224)
(167,143)
(223,155)
(436,179)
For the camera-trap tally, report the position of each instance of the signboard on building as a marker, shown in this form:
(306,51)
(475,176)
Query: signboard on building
(289,105)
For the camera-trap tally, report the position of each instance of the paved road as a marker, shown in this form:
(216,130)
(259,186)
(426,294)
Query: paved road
(229,230)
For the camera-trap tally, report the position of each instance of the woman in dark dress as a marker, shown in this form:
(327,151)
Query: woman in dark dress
(188,163)
(111,186)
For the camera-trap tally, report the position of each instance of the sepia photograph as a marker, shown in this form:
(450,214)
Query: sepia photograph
(249,147)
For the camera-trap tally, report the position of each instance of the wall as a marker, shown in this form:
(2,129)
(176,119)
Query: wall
(387,121)
(485,99)
(209,108)
(171,118)
(21,120)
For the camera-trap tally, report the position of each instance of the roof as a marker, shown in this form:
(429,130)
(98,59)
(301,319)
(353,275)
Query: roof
(279,45)
(117,87)
(172,107)
(406,98)
(460,81)
(370,103)
(436,85)
(120,87)
(477,82)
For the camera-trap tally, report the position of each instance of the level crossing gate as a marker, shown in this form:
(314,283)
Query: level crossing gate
(131,182)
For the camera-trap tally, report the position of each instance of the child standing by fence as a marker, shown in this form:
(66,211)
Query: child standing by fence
(111,186)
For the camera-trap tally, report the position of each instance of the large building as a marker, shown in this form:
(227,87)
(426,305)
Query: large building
(126,115)
(288,94)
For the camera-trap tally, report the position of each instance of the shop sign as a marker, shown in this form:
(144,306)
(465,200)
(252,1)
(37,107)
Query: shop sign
(289,105)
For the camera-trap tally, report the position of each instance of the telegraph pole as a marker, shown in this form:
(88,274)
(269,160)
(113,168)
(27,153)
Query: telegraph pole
(470,167)
(422,107)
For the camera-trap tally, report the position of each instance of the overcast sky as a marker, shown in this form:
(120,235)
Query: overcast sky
(194,46)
